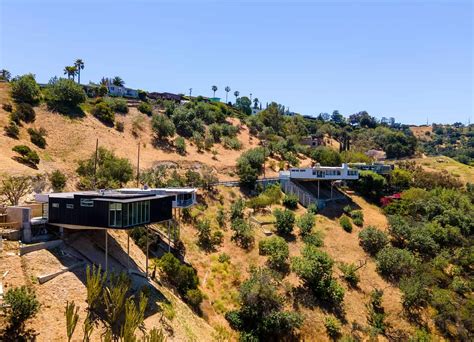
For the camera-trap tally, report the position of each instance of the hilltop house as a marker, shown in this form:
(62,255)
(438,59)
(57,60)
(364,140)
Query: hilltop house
(122,91)
(312,141)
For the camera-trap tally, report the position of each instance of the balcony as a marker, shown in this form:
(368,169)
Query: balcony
(183,203)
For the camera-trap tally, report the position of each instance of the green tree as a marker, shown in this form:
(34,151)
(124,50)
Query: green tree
(372,240)
(79,64)
(285,221)
(70,71)
(112,172)
(118,81)
(27,155)
(227,89)
(394,262)
(104,113)
(250,165)
(400,179)
(326,156)
(58,180)
(214,89)
(244,104)
(13,188)
(25,89)
(276,248)
(21,305)
(236,94)
(306,223)
(162,126)
(370,184)
(5,75)
(64,95)
(180,145)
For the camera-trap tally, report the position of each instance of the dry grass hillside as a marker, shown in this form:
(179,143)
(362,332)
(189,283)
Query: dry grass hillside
(70,140)
(442,163)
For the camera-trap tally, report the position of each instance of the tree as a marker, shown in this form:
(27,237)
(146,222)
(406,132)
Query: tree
(162,126)
(261,316)
(372,240)
(5,75)
(79,64)
(58,180)
(70,71)
(25,89)
(306,223)
(285,221)
(64,96)
(400,179)
(370,184)
(394,262)
(104,113)
(243,233)
(250,165)
(277,250)
(214,89)
(112,171)
(236,94)
(27,155)
(326,156)
(180,145)
(21,305)
(244,104)
(117,81)
(13,188)
(227,89)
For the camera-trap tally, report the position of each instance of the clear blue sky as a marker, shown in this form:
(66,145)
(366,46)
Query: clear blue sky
(407,59)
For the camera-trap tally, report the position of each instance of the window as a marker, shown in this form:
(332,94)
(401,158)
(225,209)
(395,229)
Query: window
(55,205)
(115,214)
(87,202)
(70,206)
(136,213)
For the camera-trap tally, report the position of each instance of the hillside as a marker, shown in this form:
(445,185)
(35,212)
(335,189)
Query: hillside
(439,163)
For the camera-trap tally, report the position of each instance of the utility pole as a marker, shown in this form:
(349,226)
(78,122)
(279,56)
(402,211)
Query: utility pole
(95,162)
(190,91)
(138,167)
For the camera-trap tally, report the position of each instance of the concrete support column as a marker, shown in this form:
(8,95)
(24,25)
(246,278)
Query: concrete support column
(146,262)
(106,251)
(169,235)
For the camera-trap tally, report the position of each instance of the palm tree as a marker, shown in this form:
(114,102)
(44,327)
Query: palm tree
(79,64)
(117,81)
(5,75)
(236,94)
(214,89)
(227,89)
(70,71)
(255,103)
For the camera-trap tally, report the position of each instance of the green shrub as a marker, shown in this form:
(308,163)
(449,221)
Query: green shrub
(394,262)
(314,239)
(117,104)
(104,113)
(58,180)
(376,313)
(64,95)
(183,277)
(224,258)
(22,305)
(24,89)
(249,166)
(357,217)
(194,298)
(180,145)
(370,184)
(12,130)
(7,107)
(326,156)
(345,223)
(312,208)
(347,209)
(305,223)
(285,221)
(37,137)
(162,126)
(415,293)
(23,112)
(372,240)
(145,108)
(231,143)
(28,156)
(243,233)
(277,251)
(333,326)
(290,201)
(349,274)
(237,210)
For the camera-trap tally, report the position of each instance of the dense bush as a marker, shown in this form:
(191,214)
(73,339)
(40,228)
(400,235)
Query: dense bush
(372,240)
(345,223)
(249,166)
(305,223)
(276,248)
(194,297)
(357,217)
(333,327)
(64,95)
(12,130)
(186,122)
(315,239)
(104,113)
(58,180)
(231,143)
(237,209)
(394,262)
(370,184)
(312,208)
(314,268)
(284,221)
(37,137)
(261,316)
(28,156)
(25,89)
(180,145)
(326,156)
(206,238)
(290,201)
(162,126)
(118,105)
(181,276)
(145,108)
(415,293)
(111,172)
(21,305)
(23,112)
(7,107)
(349,274)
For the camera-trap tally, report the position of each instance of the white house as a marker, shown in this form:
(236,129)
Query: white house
(322,173)
(122,91)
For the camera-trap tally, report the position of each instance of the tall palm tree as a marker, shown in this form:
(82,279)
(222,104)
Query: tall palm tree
(79,64)
(117,81)
(255,103)
(5,75)
(236,94)
(70,71)
(214,89)
(227,89)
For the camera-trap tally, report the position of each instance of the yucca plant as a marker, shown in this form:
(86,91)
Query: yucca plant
(155,335)
(71,319)
(87,328)
(134,317)
(114,299)
(94,284)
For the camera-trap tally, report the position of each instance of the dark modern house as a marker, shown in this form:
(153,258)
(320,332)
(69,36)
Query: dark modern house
(106,209)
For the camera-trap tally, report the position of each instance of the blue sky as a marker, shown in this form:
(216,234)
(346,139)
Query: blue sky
(412,60)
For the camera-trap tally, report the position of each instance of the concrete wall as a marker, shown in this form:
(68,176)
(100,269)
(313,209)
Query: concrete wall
(22,215)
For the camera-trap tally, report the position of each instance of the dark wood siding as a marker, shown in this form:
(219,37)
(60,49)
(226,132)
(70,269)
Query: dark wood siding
(161,209)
